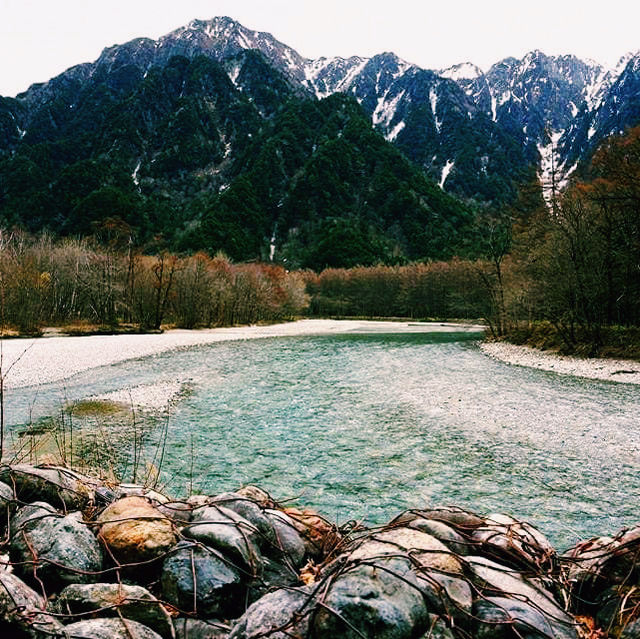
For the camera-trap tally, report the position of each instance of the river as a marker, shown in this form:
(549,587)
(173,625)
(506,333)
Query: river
(364,424)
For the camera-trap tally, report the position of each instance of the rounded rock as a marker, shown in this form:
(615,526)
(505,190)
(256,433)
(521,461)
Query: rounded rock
(109,629)
(218,590)
(134,531)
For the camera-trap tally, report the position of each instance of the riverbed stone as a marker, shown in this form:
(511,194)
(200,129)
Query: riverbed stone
(107,628)
(288,610)
(461,520)
(251,511)
(179,512)
(372,601)
(514,542)
(218,590)
(617,607)
(318,535)
(500,580)
(135,531)
(505,618)
(137,490)
(22,610)
(187,628)
(60,487)
(446,595)
(444,533)
(115,600)
(224,530)
(257,495)
(7,501)
(632,631)
(584,567)
(289,546)
(63,549)
(425,550)
(438,629)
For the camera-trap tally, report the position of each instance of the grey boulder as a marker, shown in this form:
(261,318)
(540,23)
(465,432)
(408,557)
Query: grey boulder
(109,629)
(217,591)
(113,600)
(62,549)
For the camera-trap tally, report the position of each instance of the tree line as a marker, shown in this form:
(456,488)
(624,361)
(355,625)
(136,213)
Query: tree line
(53,282)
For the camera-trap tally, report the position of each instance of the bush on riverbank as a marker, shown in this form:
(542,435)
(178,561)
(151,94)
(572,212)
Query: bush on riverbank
(621,342)
(79,283)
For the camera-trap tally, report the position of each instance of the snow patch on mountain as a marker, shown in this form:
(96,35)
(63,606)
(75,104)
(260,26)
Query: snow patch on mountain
(446,169)
(393,134)
(549,172)
(433,99)
(386,109)
(463,71)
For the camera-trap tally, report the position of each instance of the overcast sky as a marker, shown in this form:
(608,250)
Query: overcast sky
(41,38)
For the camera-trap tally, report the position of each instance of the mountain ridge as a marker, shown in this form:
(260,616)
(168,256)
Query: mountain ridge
(167,126)
(511,92)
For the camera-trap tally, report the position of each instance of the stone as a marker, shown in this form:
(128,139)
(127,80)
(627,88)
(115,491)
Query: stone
(504,618)
(425,550)
(218,590)
(585,568)
(252,512)
(632,631)
(514,542)
(257,495)
(318,535)
(274,575)
(22,610)
(444,533)
(288,547)
(372,601)
(224,530)
(63,549)
(114,600)
(198,629)
(495,579)
(109,629)
(179,512)
(622,564)
(463,521)
(60,487)
(7,502)
(134,531)
(136,490)
(447,596)
(438,629)
(287,610)
(617,607)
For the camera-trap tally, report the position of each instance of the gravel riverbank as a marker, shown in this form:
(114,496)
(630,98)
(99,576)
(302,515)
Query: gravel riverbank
(612,370)
(27,362)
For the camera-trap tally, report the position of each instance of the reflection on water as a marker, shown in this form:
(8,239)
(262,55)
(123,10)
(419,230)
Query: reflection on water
(365,425)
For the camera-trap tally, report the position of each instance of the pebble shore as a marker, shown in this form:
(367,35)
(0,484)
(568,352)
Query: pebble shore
(612,370)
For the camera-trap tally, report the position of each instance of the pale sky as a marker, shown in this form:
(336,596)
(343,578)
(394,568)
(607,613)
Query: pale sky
(41,38)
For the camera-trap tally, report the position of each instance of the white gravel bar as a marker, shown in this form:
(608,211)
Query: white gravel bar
(612,370)
(28,362)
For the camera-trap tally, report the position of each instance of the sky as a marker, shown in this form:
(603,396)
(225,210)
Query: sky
(41,38)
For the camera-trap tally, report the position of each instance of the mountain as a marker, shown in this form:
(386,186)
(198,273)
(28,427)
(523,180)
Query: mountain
(227,154)
(180,134)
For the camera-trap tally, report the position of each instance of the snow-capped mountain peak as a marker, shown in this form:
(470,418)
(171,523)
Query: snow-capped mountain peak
(462,71)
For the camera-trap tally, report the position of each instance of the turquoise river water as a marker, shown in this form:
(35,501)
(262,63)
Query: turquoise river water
(364,425)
